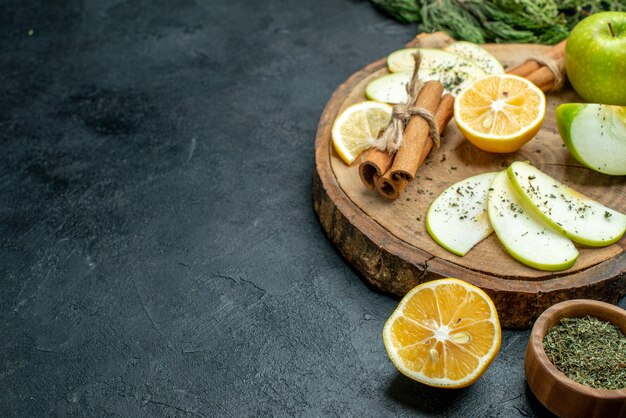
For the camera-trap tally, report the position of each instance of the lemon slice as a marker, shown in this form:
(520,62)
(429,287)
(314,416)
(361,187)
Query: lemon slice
(477,54)
(357,127)
(500,112)
(444,333)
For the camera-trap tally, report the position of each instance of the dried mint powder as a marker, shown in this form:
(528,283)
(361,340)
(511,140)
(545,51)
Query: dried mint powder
(589,351)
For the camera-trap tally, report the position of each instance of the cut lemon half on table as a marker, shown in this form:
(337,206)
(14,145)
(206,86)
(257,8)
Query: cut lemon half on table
(500,112)
(357,127)
(444,333)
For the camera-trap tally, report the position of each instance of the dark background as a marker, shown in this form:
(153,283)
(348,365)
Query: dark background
(159,253)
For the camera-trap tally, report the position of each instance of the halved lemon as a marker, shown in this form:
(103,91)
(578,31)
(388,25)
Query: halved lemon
(444,333)
(500,112)
(357,127)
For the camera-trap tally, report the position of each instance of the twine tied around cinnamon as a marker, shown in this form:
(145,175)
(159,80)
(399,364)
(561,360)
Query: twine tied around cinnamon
(555,67)
(391,139)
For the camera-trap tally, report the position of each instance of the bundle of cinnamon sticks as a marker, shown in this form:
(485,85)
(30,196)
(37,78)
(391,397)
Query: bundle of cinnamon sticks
(546,71)
(390,174)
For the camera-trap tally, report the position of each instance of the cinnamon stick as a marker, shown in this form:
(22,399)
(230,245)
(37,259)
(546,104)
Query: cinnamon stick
(375,164)
(524,69)
(557,53)
(540,74)
(389,188)
(393,188)
(542,78)
(415,136)
(445,111)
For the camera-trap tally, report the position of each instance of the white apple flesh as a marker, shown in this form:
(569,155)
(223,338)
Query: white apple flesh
(391,88)
(403,60)
(457,219)
(451,70)
(595,135)
(523,233)
(578,217)
(477,54)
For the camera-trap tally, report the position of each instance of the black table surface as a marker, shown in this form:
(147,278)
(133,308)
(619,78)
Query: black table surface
(159,251)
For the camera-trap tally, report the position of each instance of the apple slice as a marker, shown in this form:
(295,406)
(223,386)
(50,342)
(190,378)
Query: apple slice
(391,88)
(523,233)
(595,135)
(457,219)
(580,218)
(478,55)
(402,60)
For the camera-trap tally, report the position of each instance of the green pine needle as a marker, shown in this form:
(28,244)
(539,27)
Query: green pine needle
(526,21)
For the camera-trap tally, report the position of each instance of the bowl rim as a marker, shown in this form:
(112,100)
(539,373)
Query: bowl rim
(557,312)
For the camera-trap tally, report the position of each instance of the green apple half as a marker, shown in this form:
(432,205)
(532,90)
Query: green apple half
(595,135)
(595,58)
(580,218)
(457,219)
(523,233)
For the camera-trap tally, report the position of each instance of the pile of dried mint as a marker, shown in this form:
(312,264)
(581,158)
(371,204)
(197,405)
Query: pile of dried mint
(589,351)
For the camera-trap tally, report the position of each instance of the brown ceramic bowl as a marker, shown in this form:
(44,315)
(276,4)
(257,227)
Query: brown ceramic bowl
(557,392)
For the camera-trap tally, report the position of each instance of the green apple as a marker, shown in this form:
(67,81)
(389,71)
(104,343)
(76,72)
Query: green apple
(595,58)
(578,217)
(595,135)
(457,219)
(523,233)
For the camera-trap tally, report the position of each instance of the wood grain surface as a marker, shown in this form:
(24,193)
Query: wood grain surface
(387,241)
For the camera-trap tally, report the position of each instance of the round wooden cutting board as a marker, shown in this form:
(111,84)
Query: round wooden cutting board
(387,242)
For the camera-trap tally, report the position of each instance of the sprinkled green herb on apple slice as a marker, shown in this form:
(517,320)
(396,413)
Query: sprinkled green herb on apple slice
(478,55)
(523,233)
(457,219)
(595,135)
(391,88)
(403,60)
(580,218)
